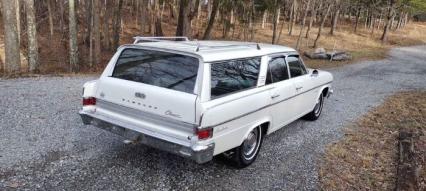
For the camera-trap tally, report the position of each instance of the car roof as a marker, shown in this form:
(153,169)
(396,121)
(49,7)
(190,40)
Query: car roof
(211,51)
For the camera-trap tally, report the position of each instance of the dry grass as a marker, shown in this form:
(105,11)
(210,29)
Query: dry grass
(363,45)
(366,158)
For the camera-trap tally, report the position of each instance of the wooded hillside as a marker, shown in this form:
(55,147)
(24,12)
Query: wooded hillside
(50,36)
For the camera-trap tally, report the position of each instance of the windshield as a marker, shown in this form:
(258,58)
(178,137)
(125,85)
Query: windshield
(163,69)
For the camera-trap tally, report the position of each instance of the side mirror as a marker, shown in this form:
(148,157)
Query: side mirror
(314,73)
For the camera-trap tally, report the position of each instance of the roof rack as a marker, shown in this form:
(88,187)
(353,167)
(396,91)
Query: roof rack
(139,39)
(201,47)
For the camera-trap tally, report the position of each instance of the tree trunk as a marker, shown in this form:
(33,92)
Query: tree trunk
(207,33)
(303,24)
(158,29)
(335,17)
(183,25)
(49,10)
(32,36)
(144,15)
(358,15)
(18,19)
(107,15)
(312,18)
(88,17)
(265,14)
(292,17)
(11,40)
(324,17)
(389,20)
(96,31)
(116,24)
(275,22)
(187,11)
(73,37)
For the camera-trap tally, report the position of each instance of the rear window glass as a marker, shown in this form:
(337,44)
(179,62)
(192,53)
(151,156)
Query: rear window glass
(234,75)
(163,69)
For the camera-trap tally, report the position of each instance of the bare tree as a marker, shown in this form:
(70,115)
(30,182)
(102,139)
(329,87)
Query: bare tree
(389,18)
(50,12)
(96,31)
(116,23)
(73,37)
(207,33)
(158,30)
(323,19)
(13,59)
(187,11)
(292,16)
(32,36)
(303,24)
(105,24)
(276,9)
(335,17)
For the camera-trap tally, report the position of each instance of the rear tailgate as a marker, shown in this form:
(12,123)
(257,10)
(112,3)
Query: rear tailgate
(152,91)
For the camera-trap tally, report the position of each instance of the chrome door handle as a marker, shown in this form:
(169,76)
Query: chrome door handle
(275,96)
(299,88)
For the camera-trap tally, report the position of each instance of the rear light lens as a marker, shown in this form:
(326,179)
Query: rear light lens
(204,134)
(89,101)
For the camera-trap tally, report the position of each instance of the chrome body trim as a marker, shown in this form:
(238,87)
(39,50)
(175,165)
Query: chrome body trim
(266,106)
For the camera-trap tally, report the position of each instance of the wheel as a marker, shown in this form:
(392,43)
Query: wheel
(246,153)
(316,112)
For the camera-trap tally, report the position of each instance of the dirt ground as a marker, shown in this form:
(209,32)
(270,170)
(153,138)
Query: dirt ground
(367,157)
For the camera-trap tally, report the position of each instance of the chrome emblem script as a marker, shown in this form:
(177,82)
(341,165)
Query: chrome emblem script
(140,95)
(170,113)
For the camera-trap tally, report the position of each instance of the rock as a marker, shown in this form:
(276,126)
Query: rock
(320,51)
(316,55)
(339,56)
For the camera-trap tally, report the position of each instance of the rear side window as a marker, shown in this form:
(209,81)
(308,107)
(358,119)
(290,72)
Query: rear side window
(296,66)
(277,70)
(234,75)
(163,69)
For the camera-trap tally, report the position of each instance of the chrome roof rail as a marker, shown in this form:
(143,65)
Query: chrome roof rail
(139,39)
(201,47)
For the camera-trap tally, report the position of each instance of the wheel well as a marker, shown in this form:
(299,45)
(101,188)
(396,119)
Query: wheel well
(265,127)
(325,92)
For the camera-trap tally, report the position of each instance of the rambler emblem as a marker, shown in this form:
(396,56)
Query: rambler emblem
(170,113)
(140,95)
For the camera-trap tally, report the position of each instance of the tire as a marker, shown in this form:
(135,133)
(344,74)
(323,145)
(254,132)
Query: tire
(247,152)
(316,112)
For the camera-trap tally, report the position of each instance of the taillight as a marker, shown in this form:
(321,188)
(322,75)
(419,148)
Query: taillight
(204,133)
(89,101)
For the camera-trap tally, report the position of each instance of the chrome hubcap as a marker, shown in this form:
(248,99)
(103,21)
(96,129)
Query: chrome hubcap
(318,106)
(250,144)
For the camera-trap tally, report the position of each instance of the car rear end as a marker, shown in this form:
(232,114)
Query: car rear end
(150,96)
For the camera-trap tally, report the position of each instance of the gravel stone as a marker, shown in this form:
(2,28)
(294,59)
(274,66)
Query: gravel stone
(45,146)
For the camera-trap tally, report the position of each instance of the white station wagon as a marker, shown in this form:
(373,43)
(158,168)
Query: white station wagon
(199,99)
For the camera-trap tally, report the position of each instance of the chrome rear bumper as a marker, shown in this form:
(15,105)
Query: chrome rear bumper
(200,154)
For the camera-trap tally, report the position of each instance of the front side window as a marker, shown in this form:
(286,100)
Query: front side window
(277,70)
(163,69)
(234,75)
(296,66)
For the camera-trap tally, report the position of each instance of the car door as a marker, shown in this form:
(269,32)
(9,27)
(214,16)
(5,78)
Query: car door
(282,90)
(305,95)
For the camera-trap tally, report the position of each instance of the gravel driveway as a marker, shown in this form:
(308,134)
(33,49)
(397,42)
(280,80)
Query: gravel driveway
(43,144)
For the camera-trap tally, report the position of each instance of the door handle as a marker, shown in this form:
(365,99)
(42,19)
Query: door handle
(275,96)
(299,88)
